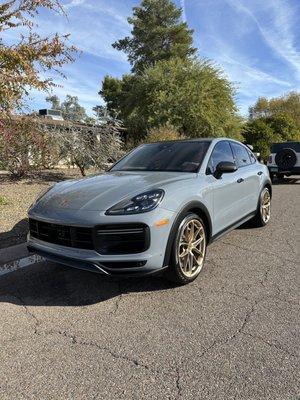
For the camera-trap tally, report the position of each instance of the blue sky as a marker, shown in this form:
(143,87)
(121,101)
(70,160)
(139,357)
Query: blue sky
(255,42)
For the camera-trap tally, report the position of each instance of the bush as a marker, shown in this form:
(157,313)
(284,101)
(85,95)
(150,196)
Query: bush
(163,133)
(94,146)
(28,144)
(18,140)
(3,201)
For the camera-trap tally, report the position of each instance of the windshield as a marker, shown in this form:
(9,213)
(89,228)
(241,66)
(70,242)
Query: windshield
(165,156)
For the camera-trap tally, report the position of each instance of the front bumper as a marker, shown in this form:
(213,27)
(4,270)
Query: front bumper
(147,262)
(273,169)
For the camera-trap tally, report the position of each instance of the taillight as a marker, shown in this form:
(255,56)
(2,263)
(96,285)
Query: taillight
(270,159)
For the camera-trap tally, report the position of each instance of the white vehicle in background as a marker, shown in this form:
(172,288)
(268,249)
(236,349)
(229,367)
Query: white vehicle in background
(55,115)
(284,159)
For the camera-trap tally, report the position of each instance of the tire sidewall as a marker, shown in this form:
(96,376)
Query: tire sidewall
(263,223)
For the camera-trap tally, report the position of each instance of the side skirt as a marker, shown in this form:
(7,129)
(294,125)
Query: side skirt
(232,227)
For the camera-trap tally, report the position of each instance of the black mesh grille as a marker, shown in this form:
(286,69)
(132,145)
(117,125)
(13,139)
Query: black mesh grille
(70,236)
(122,238)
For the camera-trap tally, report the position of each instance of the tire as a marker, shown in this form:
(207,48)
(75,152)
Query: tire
(286,159)
(263,215)
(280,176)
(185,269)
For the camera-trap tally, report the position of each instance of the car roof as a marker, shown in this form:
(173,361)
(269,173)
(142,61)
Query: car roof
(208,139)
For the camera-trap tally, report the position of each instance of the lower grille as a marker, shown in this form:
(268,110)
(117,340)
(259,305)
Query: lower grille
(122,238)
(69,236)
(105,239)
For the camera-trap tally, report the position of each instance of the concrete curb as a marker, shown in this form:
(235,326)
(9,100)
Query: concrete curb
(16,257)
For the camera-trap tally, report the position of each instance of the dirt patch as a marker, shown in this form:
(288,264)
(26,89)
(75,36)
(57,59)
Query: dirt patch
(19,195)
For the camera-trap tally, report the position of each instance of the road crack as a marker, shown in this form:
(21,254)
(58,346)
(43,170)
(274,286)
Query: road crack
(27,311)
(277,346)
(178,382)
(118,300)
(83,342)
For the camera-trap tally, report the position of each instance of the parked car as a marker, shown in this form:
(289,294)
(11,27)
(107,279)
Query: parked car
(284,159)
(155,211)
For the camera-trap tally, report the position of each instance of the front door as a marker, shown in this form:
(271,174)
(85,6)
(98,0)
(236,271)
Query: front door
(228,193)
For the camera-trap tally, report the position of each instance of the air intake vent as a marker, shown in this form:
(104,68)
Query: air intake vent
(63,235)
(122,238)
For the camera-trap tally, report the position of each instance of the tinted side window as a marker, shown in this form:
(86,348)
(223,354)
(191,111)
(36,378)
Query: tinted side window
(221,152)
(241,155)
(252,157)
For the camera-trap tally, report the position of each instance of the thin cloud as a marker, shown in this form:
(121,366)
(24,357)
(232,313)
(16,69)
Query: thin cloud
(74,3)
(277,33)
(247,74)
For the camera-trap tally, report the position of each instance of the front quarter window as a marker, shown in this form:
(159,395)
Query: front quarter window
(221,152)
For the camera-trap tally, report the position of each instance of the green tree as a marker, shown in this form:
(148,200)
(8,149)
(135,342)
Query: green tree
(70,108)
(260,109)
(284,126)
(55,102)
(192,96)
(158,33)
(262,132)
(287,105)
(168,86)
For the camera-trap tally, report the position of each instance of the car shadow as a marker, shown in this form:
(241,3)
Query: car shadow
(287,181)
(51,284)
(16,235)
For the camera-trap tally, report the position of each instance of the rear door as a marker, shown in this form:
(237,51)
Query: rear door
(249,177)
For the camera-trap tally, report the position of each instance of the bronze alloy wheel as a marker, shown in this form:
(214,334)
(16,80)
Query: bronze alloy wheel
(191,248)
(265,206)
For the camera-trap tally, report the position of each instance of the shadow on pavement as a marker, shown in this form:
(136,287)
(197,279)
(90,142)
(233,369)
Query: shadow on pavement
(287,181)
(15,236)
(49,284)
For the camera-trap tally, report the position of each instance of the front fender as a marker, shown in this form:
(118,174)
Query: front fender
(193,206)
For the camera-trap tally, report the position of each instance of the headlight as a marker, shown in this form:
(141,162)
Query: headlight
(142,203)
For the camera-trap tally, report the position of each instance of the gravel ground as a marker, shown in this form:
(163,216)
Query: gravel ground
(20,194)
(231,334)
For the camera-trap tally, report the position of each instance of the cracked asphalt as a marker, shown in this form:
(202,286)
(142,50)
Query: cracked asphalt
(234,333)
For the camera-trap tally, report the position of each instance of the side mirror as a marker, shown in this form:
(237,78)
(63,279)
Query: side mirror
(225,167)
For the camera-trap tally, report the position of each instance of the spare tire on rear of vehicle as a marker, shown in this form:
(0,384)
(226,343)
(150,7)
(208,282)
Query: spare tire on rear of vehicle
(286,159)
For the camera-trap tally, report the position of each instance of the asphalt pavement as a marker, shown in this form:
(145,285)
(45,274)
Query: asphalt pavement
(234,333)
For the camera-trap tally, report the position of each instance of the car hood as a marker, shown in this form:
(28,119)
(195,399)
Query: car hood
(98,193)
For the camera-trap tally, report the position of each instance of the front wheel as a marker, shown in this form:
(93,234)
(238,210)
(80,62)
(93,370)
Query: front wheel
(263,215)
(189,250)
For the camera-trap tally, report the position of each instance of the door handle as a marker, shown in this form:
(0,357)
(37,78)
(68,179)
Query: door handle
(260,173)
(240,180)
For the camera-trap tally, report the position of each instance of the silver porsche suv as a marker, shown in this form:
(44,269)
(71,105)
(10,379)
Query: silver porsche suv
(155,211)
